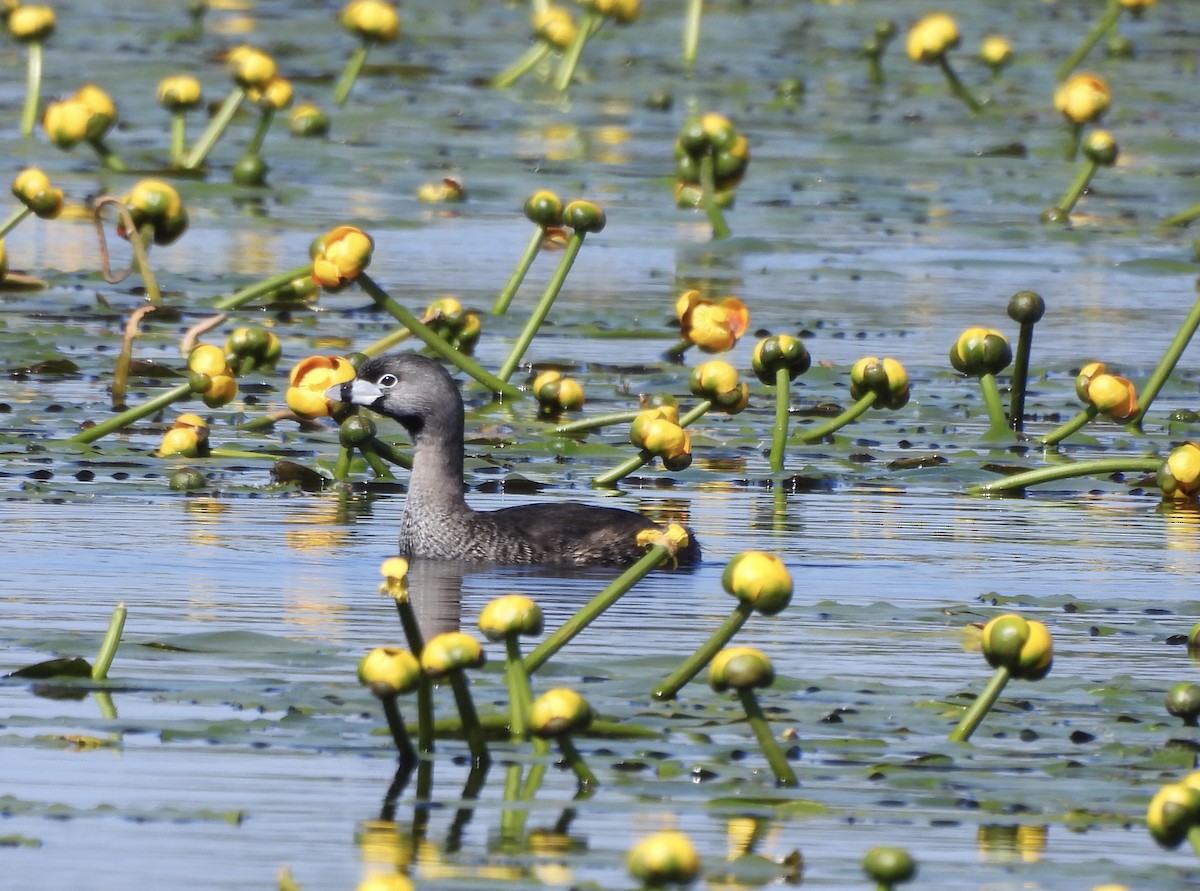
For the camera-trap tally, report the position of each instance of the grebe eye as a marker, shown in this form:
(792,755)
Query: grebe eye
(388,381)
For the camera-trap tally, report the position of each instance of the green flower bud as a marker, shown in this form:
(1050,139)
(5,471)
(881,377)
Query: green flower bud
(1026,307)
(584,216)
(884,377)
(508,615)
(1023,647)
(776,352)
(186,479)
(544,208)
(889,866)
(1100,148)
(1174,809)
(1183,701)
(389,671)
(356,430)
(760,579)
(250,170)
(980,351)
(740,668)
(694,138)
(308,121)
(558,712)
(450,651)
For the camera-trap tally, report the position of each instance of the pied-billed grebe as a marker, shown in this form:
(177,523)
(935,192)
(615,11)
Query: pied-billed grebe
(438,522)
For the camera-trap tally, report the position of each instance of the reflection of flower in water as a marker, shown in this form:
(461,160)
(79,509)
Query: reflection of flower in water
(1004,844)
(206,516)
(314,529)
(1183,523)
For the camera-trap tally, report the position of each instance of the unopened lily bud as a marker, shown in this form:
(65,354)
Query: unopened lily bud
(1100,148)
(760,580)
(32,188)
(29,23)
(932,37)
(555,26)
(884,377)
(889,866)
(371,20)
(451,651)
(180,92)
(544,208)
(780,351)
(1083,98)
(508,615)
(981,351)
(583,216)
(559,711)
(740,668)
(1022,646)
(308,120)
(251,68)
(389,671)
(1179,477)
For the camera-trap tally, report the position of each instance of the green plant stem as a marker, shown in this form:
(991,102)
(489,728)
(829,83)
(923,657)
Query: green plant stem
(387,452)
(981,706)
(127,417)
(587,779)
(476,741)
(644,457)
(416,643)
(354,67)
(875,75)
(1111,13)
(587,424)
(597,605)
(783,379)
(1016,403)
(816,434)
(588,25)
(14,219)
(1184,217)
(193,159)
(1074,425)
(341,467)
(1070,197)
(574,243)
(676,352)
(372,457)
(433,341)
(260,132)
(404,746)
(708,197)
(514,281)
(385,343)
(33,88)
(526,62)
(1074,138)
(108,158)
(266,286)
(1167,364)
(1193,837)
(108,648)
(784,775)
(141,256)
(1067,471)
(995,408)
(520,695)
(178,137)
(692,666)
(957,86)
(691,31)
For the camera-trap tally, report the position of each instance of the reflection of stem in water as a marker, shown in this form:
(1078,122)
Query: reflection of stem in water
(463,815)
(399,781)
